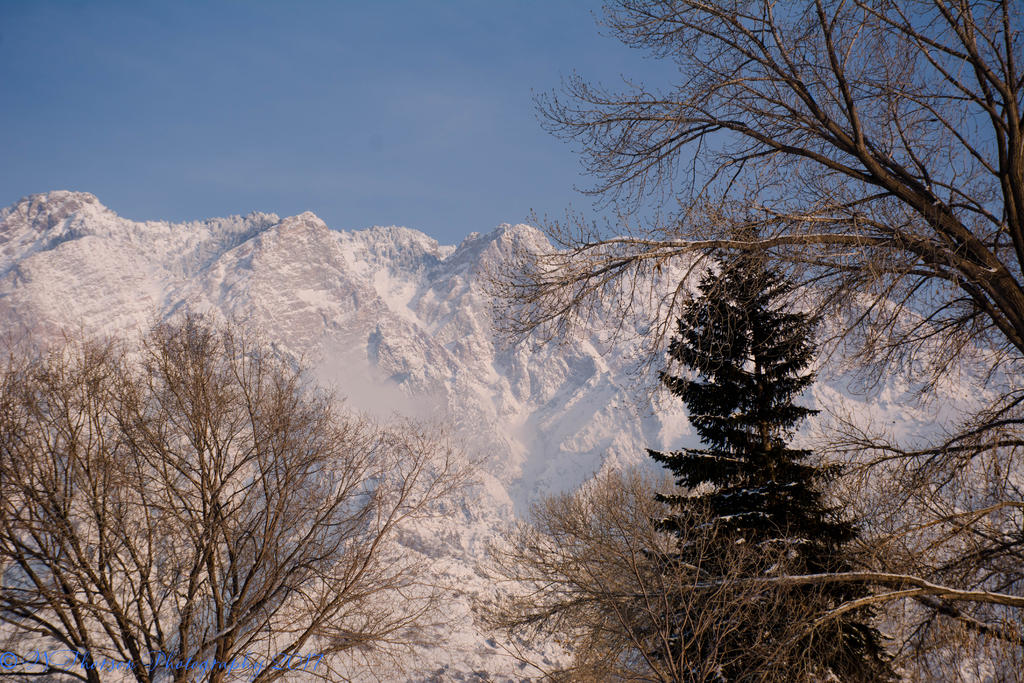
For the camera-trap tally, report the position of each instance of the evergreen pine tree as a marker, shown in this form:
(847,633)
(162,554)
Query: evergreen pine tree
(751,353)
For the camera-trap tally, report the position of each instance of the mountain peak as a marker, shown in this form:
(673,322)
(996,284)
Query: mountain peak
(306,220)
(508,235)
(48,209)
(485,249)
(57,196)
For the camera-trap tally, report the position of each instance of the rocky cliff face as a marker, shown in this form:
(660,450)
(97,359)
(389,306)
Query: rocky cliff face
(389,318)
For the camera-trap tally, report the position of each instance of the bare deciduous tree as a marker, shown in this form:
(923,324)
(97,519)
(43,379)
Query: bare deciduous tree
(875,152)
(877,148)
(951,522)
(594,572)
(195,500)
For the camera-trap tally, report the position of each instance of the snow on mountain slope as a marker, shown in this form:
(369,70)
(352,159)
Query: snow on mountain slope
(390,319)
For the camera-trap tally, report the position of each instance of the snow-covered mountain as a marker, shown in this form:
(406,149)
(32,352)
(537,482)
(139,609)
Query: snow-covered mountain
(394,322)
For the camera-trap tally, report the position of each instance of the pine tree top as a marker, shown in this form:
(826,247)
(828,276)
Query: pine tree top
(750,352)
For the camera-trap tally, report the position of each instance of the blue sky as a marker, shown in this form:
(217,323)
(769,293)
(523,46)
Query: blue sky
(386,112)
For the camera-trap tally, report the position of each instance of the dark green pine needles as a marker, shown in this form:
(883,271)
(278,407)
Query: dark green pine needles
(751,352)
